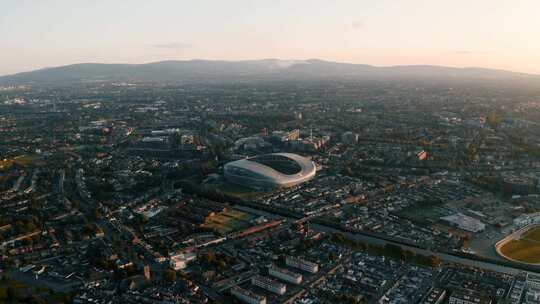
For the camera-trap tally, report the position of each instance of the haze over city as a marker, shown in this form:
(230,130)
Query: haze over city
(484,33)
(269,152)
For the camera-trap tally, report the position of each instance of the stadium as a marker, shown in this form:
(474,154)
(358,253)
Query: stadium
(270,171)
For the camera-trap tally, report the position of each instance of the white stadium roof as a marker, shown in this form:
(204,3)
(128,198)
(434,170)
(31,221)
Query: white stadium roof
(258,171)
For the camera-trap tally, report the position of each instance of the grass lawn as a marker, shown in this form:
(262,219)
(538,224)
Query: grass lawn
(522,250)
(22,160)
(237,191)
(423,213)
(28,160)
(229,221)
(526,249)
(532,234)
(5,164)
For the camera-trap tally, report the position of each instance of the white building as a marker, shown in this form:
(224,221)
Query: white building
(181,260)
(533,281)
(467,298)
(269,284)
(464,222)
(247,296)
(301,264)
(285,275)
(527,219)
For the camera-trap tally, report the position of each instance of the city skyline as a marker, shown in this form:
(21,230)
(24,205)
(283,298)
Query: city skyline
(490,34)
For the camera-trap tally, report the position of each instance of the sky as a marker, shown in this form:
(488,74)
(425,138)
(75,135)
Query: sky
(502,34)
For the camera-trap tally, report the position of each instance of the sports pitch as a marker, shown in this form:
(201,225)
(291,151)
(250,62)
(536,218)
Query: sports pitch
(229,221)
(523,247)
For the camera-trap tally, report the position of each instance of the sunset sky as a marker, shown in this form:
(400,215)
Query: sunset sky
(502,34)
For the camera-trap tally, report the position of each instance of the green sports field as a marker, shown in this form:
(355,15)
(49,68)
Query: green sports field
(525,249)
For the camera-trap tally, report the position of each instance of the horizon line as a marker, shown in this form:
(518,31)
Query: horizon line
(277,59)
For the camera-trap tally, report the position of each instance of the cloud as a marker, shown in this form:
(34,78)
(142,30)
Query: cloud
(468,52)
(177,46)
(358,24)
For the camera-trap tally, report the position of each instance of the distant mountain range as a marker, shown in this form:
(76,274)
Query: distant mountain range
(212,71)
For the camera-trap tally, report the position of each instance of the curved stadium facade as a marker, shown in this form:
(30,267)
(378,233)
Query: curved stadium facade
(277,170)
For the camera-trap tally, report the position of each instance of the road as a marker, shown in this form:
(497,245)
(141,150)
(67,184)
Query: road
(442,256)
(30,279)
(381,242)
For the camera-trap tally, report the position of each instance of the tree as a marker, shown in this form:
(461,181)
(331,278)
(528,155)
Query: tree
(222,264)
(493,120)
(97,214)
(408,255)
(12,293)
(35,204)
(28,241)
(3,294)
(338,237)
(465,240)
(434,261)
(30,227)
(169,275)
(209,257)
(393,250)
(37,300)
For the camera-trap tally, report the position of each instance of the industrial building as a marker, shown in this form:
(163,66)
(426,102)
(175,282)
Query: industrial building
(464,222)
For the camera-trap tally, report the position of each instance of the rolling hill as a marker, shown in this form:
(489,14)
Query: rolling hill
(200,71)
